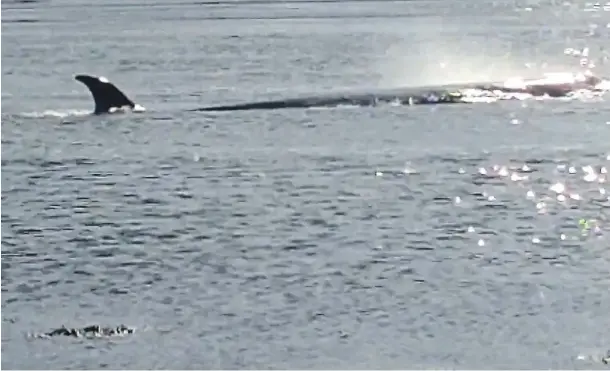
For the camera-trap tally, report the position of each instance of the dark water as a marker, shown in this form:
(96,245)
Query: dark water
(329,238)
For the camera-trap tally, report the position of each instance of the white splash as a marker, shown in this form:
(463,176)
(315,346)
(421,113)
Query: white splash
(53,113)
(127,109)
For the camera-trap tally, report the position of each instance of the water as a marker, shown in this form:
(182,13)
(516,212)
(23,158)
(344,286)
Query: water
(323,238)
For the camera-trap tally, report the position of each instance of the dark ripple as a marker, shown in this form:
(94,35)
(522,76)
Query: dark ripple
(292,17)
(24,20)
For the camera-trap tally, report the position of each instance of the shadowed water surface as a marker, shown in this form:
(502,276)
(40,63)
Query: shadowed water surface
(470,236)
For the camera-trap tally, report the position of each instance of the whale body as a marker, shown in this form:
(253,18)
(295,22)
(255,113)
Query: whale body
(109,99)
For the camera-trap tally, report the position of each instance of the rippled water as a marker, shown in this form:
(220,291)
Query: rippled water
(471,236)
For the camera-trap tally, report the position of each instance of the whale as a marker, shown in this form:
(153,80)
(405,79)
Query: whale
(110,99)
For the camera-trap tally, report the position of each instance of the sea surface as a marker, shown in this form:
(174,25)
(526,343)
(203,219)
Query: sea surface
(460,236)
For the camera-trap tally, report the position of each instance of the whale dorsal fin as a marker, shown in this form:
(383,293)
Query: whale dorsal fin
(105,95)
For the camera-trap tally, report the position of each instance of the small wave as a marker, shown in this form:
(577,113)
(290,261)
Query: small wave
(585,94)
(604,85)
(54,113)
(334,107)
(489,96)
